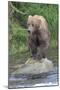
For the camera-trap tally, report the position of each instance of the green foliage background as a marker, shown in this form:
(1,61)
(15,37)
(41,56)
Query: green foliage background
(18,14)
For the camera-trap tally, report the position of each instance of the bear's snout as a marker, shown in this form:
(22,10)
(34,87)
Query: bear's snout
(28,31)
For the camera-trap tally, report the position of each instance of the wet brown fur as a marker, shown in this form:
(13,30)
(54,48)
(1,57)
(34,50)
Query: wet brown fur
(38,38)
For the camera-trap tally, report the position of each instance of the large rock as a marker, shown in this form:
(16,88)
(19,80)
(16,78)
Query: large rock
(35,67)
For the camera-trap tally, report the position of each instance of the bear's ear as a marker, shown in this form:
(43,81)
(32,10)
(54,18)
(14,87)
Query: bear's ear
(29,16)
(29,19)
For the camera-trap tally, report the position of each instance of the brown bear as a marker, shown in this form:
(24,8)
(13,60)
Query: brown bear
(38,36)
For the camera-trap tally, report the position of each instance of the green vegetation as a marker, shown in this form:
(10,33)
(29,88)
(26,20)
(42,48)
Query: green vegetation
(18,14)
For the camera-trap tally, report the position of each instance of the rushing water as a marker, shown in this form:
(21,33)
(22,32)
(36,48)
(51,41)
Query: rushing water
(45,79)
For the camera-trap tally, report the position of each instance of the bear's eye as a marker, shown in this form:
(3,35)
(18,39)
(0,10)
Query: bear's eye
(32,24)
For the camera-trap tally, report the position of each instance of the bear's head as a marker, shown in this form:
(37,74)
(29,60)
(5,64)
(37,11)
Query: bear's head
(33,24)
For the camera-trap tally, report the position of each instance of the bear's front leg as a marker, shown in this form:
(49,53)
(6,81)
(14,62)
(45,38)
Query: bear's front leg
(33,50)
(42,50)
